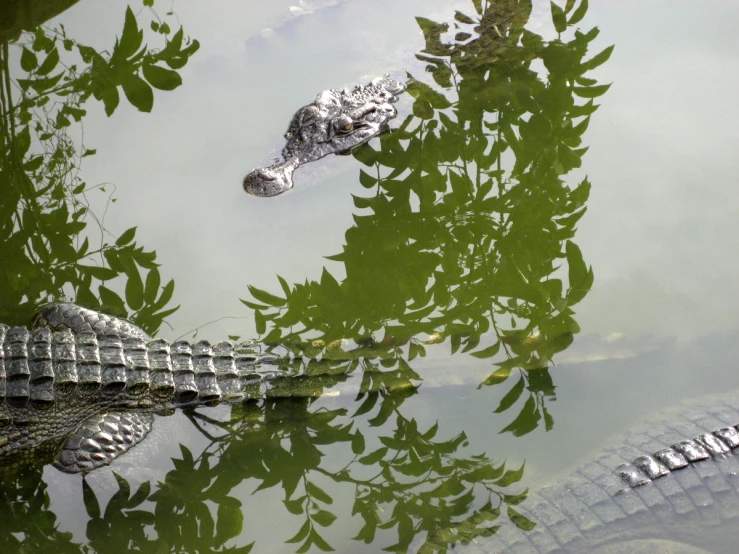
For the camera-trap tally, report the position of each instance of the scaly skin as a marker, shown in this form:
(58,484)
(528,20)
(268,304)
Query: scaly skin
(336,122)
(608,502)
(103,382)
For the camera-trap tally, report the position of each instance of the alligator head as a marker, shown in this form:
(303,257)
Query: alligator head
(334,123)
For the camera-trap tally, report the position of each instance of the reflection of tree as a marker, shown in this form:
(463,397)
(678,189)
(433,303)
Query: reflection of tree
(467,231)
(461,239)
(43,210)
(421,481)
(28,524)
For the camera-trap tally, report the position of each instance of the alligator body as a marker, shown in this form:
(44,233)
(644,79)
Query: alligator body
(336,122)
(84,398)
(676,478)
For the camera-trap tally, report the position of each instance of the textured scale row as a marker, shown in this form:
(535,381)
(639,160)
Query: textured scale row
(645,469)
(38,366)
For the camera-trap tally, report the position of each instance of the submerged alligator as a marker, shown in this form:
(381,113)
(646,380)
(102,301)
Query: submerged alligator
(336,122)
(675,478)
(83,399)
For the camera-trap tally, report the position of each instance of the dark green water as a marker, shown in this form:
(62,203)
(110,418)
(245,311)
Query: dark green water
(540,254)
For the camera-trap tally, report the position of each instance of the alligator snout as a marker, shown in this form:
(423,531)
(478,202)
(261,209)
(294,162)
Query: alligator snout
(271,181)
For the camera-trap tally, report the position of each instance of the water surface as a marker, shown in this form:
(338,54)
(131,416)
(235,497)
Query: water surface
(654,323)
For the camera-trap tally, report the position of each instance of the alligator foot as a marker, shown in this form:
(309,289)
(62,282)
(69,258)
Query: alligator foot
(101,439)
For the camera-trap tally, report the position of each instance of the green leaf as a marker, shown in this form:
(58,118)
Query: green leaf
(101,273)
(558,18)
(140,495)
(579,13)
(138,92)
(301,534)
(134,287)
(497,376)
(33,164)
(91,502)
(126,237)
(323,518)
(130,39)
(166,296)
(432,33)
(521,521)
(40,85)
(260,322)
(373,457)
(285,287)
(511,396)
(29,61)
(149,3)
(111,300)
(366,179)
(266,297)
(318,493)
(153,280)
(591,92)
(230,521)
(526,420)
(161,77)
(598,59)
(51,61)
(511,476)
(110,98)
(580,276)
(320,542)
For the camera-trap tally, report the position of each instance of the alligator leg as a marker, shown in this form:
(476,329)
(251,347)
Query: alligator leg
(101,439)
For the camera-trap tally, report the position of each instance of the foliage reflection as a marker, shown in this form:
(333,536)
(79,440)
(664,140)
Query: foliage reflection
(465,237)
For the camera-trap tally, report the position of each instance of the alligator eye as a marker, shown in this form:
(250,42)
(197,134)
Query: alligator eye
(347,127)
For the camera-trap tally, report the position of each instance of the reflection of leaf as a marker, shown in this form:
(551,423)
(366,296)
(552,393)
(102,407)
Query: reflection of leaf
(48,65)
(597,60)
(432,33)
(579,13)
(91,502)
(558,18)
(591,92)
(323,518)
(110,99)
(511,396)
(373,457)
(498,376)
(161,77)
(131,37)
(511,476)
(266,297)
(138,92)
(526,420)
(580,276)
(29,61)
(301,534)
(521,521)
(318,493)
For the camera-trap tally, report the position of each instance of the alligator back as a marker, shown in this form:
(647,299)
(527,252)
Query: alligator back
(58,389)
(676,477)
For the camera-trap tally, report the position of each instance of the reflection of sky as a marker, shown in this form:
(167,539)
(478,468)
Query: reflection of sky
(661,232)
(661,227)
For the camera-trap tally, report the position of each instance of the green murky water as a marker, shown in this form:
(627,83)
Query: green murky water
(540,253)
